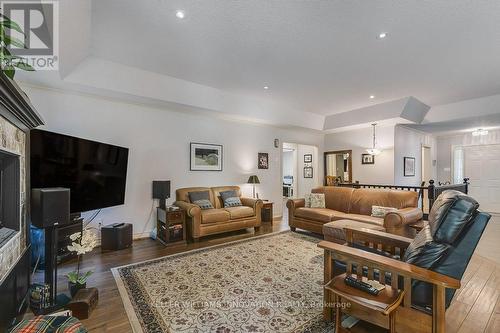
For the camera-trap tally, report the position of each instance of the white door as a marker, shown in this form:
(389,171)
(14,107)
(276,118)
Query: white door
(482,166)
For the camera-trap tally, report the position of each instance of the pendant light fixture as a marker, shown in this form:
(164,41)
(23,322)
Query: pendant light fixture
(374,150)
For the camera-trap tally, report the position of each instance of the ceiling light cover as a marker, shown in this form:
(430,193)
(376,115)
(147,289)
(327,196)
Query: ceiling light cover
(372,96)
(479,132)
(180,14)
(266,87)
(382,35)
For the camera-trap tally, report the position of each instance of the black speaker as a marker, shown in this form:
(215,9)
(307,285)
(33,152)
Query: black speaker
(116,236)
(161,190)
(50,206)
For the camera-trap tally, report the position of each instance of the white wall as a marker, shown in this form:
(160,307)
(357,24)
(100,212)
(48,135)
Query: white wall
(445,145)
(159,147)
(408,143)
(305,185)
(382,172)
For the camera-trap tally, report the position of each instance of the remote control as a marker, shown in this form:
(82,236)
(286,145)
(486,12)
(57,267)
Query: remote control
(363,286)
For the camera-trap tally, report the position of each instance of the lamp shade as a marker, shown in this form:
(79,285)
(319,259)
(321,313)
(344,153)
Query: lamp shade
(161,189)
(253,180)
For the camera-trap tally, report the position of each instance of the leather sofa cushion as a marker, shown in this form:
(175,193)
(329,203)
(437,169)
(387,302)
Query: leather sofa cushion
(451,213)
(317,214)
(219,203)
(366,219)
(182,194)
(240,212)
(214,215)
(423,251)
(362,200)
(336,198)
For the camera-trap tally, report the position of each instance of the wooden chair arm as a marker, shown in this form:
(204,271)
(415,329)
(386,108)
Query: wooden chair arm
(349,254)
(354,234)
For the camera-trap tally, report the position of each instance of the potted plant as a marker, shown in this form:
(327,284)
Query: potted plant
(82,242)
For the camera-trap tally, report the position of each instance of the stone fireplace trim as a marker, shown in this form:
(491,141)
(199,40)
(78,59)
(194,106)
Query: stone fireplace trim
(17,118)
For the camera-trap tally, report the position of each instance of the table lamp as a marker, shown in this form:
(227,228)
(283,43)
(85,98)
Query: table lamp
(253,180)
(161,191)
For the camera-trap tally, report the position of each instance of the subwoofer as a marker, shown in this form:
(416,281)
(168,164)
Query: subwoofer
(116,236)
(50,206)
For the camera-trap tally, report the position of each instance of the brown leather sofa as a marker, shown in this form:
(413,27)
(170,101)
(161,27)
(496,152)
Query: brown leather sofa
(213,221)
(343,203)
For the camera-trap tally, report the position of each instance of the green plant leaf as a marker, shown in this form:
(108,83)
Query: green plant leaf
(5,50)
(11,24)
(84,277)
(8,40)
(9,72)
(24,66)
(72,277)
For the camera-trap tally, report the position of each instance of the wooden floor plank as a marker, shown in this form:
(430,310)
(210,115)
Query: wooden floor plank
(480,313)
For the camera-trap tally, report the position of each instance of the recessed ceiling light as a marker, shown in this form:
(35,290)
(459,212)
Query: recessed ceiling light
(180,14)
(266,87)
(382,35)
(372,96)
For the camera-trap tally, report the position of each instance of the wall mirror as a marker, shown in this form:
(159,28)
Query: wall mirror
(338,167)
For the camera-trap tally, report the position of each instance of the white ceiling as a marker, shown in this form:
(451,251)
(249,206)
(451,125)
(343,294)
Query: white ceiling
(316,56)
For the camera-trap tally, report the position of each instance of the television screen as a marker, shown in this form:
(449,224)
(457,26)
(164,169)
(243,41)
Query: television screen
(95,172)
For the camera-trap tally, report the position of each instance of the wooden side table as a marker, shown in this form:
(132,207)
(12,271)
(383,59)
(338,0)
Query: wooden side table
(385,303)
(171,226)
(267,212)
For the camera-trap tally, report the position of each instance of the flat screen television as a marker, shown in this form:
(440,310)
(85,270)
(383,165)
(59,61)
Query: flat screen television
(95,172)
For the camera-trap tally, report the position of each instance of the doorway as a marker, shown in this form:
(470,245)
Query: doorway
(289,157)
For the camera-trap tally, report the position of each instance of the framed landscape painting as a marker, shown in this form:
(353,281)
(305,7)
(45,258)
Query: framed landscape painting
(409,166)
(206,157)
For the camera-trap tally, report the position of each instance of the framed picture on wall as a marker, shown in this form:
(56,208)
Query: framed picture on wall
(367,159)
(308,172)
(206,157)
(409,167)
(263,160)
(308,158)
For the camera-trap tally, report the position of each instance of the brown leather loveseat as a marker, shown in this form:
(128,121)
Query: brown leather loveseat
(219,219)
(345,203)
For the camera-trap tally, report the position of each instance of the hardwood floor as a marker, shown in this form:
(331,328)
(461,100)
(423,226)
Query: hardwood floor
(475,308)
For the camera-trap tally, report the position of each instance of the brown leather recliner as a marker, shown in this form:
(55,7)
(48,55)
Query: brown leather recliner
(345,203)
(213,221)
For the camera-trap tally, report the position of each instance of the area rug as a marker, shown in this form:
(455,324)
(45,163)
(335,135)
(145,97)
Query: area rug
(271,283)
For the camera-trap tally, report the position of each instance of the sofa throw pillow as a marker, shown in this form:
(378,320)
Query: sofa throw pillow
(230,199)
(318,200)
(201,199)
(381,211)
(307,200)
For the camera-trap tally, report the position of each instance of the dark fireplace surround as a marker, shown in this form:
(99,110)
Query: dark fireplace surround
(17,118)
(10,170)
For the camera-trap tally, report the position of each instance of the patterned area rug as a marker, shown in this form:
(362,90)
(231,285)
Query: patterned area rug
(271,283)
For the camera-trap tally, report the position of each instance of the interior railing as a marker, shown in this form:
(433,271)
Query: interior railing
(426,194)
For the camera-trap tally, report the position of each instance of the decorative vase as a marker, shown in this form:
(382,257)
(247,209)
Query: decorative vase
(74,287)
